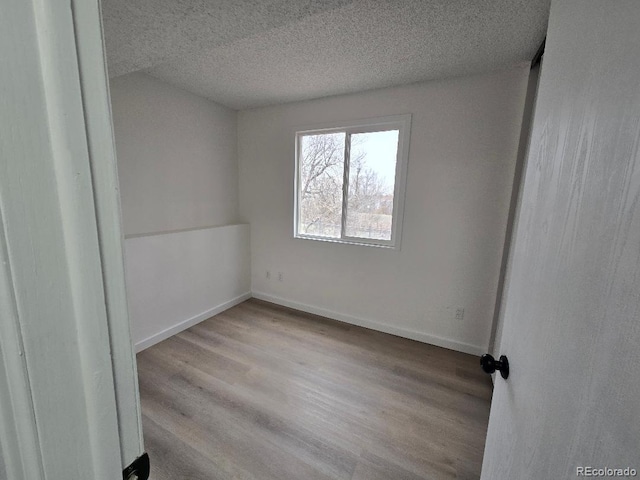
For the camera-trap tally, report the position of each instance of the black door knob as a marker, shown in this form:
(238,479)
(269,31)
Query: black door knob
(490,365)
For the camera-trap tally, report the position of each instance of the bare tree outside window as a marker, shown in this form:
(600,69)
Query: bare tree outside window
(350,182)
(372,165)
(372,169)
(321,179)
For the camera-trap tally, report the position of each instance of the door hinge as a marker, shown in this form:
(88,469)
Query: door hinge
(138,470)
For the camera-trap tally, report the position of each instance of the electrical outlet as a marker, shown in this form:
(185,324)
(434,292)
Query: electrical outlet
(280,277)
(460,313)
(268,275)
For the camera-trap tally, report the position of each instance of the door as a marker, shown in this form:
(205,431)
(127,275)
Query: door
(572,310)
(68,388)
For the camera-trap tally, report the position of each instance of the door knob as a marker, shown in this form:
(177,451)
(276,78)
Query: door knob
(490,365)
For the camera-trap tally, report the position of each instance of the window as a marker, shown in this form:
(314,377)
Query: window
(350,181)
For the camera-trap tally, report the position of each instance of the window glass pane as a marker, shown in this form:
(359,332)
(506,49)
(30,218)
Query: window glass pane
(320,190)
(372,173)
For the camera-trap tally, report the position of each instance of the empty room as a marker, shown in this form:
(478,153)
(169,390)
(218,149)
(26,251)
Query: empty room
(231,124)
(323,240)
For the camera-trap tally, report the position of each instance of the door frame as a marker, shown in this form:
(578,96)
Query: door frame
(69,405)
(106,191)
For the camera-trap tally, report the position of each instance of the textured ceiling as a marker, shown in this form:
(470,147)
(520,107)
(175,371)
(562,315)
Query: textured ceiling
(248,53)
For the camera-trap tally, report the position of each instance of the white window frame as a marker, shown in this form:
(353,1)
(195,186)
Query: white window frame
(402,123)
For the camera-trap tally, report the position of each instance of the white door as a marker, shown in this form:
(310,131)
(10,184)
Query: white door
(68,389)
(572,310)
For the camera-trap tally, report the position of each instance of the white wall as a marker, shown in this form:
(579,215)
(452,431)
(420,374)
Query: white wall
(179,279)
(176,157)
(186,257)
(464,141)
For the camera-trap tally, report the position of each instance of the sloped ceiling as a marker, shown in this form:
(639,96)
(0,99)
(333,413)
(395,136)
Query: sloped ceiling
(250,53)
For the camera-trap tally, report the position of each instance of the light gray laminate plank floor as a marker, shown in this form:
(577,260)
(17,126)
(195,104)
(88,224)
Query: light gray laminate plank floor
(268,393)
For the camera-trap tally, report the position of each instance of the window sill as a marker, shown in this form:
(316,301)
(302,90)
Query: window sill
(347,242)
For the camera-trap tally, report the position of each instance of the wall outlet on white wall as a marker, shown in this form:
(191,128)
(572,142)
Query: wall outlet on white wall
(280,276)
(459,313)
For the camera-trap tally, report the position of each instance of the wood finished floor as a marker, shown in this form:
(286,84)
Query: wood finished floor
(263,392)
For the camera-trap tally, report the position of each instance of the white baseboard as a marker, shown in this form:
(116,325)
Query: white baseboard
(381,327)
(190,322)
(353,320)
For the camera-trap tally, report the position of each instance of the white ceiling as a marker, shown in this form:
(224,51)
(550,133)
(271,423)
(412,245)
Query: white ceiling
(249,53)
